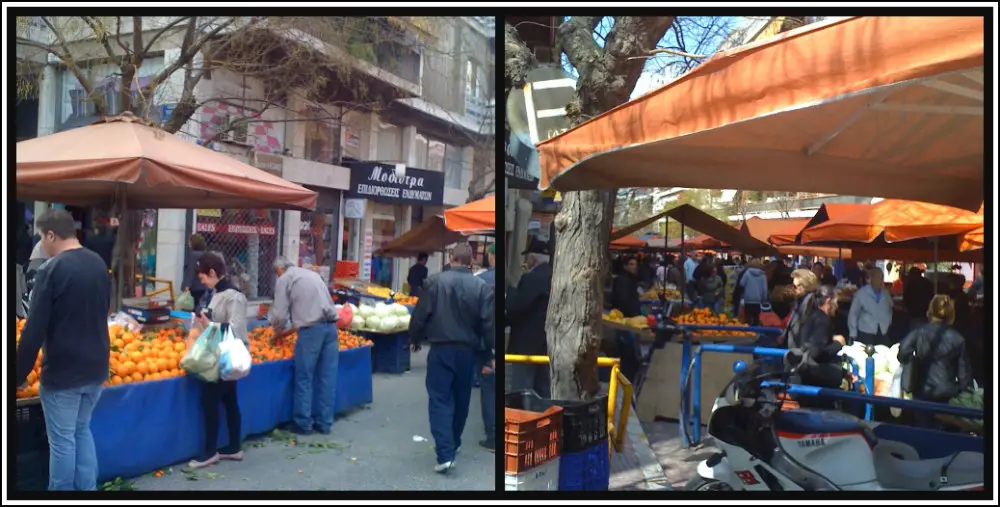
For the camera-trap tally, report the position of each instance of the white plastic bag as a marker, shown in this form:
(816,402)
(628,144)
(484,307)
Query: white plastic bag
(896,390)
(234,360)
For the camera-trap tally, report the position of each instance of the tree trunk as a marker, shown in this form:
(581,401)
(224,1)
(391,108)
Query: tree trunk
(608,75)
(576,301)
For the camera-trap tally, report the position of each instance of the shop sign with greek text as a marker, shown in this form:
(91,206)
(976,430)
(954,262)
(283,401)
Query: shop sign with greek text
(396,184)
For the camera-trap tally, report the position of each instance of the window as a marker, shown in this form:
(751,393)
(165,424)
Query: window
(435,155)
(322,137)
(454,167)
(420,146)
(390,143)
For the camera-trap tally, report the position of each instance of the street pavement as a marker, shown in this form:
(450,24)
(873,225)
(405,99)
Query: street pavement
(370,449)
(679,464)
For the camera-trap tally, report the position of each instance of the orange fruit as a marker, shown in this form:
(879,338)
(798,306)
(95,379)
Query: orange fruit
(153,368)
(179,347)
(118,343)
(153,377)
(116,380)
(142,368)
(137,377)
(128,338)
(162,364)
(136,357)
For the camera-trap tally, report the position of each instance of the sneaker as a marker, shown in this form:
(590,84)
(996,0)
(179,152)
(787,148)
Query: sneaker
(236,456)
(488,445)
(196,463)
(443,468)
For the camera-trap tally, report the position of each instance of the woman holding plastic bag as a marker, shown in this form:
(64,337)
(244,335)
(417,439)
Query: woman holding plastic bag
(228,308)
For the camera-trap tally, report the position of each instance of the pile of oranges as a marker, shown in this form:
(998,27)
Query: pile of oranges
(156,355)
(705,317)
(264,346)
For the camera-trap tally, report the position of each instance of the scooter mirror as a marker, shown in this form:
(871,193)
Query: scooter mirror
(739,366)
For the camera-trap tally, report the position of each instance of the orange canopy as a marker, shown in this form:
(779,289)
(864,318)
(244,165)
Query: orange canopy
(792,233)
(897,220)
(763,229)
(627,242)
(891,106)
(474,217)
(92,165)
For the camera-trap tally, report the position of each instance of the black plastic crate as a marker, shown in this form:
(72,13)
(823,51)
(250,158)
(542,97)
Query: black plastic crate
(30,423)
(391,352)
(585,423)
(33,470)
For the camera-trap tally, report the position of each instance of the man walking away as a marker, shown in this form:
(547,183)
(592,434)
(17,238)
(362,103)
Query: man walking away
(300,295)
(526,313)
(487,381)
(753,291)
(417,274)
(68,318)
(455,315)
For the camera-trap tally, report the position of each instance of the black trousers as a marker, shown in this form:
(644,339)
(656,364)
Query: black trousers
(214,394)
(752,313)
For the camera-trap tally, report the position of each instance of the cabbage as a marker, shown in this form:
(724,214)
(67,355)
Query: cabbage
(398,310)
(366,311)
(404,322)
(372,323)
(388,324)
(382,310)
(357,323)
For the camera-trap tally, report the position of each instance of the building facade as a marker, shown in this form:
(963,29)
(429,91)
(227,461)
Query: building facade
(416,103)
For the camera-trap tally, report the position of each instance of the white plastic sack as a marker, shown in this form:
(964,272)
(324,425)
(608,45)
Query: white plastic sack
(234,360)
(896,390)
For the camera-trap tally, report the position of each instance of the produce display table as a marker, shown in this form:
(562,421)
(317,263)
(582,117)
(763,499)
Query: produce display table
(644,333)
(141,427)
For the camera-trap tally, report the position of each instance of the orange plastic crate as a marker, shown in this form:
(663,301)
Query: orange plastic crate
(531,438)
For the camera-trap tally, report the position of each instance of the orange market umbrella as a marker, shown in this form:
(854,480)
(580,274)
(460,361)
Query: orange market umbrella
(627,242)
(891,106)
(125,159)
(897,220)
(474,217)
(763,229)
(792,234)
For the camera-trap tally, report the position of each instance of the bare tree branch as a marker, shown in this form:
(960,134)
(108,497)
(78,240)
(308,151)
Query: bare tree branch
(101,34)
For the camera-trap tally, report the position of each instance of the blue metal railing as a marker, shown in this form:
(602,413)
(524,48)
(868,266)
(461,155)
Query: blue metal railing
(929,406)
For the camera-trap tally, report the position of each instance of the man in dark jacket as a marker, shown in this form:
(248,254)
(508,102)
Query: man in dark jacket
(455,315)
(68,319)
(625,298)
(417,275)
(525,313)
(487,379)
(917,295)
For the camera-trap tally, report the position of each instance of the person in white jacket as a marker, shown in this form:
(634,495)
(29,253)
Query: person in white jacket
(871,312)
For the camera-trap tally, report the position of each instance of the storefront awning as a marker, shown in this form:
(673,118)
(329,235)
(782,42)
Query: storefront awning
(707,224)
(126,157)
(429,236)
(890,106)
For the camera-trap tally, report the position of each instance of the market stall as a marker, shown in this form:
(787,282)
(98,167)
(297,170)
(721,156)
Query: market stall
(133,418)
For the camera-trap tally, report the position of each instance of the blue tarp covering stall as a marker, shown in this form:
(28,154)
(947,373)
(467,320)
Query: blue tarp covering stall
(141,427)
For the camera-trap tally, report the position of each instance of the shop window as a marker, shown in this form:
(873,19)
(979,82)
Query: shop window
(317,247)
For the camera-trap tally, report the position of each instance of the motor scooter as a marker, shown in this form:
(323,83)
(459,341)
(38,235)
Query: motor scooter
(765,448)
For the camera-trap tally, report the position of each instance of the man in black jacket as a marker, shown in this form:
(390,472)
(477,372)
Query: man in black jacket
(455,315)
(68,317)
(625,298)
(525,313)
(417,275)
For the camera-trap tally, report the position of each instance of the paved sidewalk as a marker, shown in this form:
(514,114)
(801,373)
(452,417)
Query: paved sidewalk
(679,463)
(370,449)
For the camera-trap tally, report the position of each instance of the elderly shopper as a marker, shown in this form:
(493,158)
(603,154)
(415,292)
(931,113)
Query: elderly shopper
(525,313)
(871,312)
(302,298)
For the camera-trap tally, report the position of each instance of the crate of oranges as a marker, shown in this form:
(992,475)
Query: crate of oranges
(706,317)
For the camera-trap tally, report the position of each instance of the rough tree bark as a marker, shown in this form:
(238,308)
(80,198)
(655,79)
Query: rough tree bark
(607,76)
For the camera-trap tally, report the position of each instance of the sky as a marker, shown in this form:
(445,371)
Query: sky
(654,75)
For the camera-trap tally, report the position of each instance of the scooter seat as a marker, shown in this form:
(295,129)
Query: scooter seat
(895,471)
